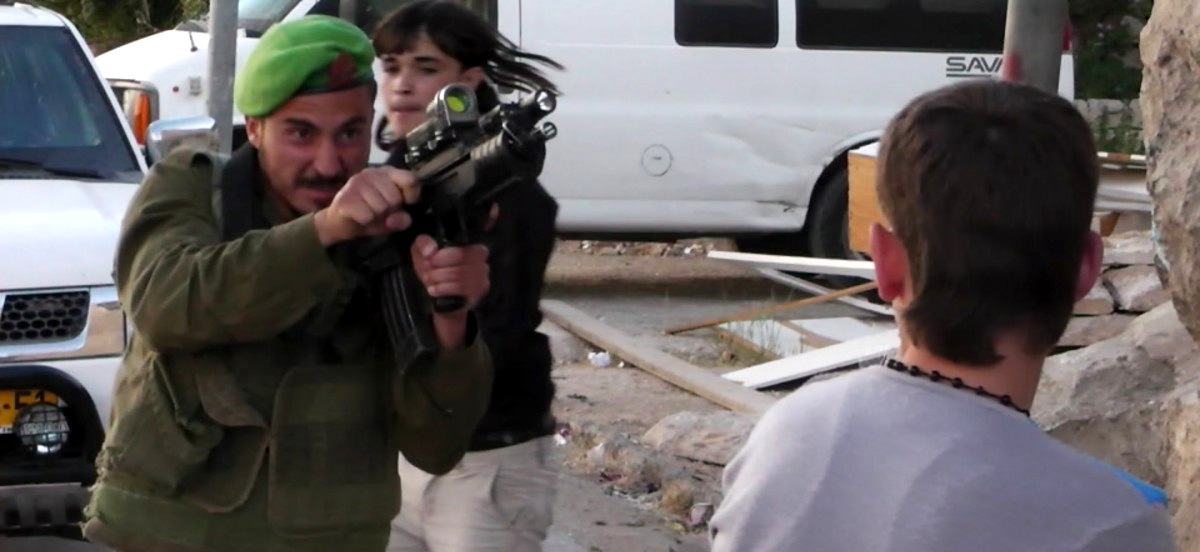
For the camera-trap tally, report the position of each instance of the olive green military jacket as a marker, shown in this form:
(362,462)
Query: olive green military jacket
(233,431)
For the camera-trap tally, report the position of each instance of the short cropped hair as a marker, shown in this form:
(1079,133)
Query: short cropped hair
(990,186)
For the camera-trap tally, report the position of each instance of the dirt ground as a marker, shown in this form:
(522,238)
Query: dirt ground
(614,407)
(643,292)
(621,403)
(643,289)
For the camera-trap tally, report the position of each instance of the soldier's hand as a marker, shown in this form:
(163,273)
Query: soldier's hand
(453,271)
(370,204)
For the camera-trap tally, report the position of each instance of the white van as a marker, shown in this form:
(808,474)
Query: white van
(684,118)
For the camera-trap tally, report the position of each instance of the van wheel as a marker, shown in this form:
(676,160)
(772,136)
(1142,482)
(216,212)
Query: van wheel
(827,225)
(828,219)
(826,233)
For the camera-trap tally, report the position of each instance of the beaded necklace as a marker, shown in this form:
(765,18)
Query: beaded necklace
(957,383)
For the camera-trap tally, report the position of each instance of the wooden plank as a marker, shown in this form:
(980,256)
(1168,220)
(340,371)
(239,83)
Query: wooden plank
(814,265)
(821,360)
(804,285)
(668,368)
(838,329)
(766,311)
(863,203)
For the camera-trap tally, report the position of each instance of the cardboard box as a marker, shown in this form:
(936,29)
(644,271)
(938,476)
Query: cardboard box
(1123,203)
(863,203)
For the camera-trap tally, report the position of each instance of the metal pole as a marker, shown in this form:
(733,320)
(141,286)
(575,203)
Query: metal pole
(222,49)
(1033,42)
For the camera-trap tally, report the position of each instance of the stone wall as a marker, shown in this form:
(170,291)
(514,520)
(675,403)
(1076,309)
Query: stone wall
(1128,287)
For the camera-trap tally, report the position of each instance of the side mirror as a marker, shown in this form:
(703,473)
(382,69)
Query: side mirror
(164,135)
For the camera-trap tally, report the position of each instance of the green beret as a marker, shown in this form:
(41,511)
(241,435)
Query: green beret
(310,55)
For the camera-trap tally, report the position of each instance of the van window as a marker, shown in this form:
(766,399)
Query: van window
(918,25)
(753,23)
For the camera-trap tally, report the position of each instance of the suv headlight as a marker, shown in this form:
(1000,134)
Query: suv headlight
(61,324)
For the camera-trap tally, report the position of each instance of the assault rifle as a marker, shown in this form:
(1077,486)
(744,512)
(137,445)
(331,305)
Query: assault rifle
(462,160)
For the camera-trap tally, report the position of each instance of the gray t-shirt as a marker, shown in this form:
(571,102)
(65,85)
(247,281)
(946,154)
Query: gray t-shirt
(879,460)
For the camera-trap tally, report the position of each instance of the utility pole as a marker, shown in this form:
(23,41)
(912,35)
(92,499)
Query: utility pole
(222,50)
(1033,42)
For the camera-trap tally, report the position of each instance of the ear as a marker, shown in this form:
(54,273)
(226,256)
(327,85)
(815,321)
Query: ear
(891,264)
(254,131)
(1091,265)
(473,76)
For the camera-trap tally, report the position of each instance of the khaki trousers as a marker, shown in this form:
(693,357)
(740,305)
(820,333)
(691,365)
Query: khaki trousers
(498,500)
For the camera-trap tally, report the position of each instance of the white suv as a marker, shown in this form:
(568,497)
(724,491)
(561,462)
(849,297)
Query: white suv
(69,165)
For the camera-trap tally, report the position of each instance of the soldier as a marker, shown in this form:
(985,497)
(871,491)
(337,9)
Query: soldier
(260,406)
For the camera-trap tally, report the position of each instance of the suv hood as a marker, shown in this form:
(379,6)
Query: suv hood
(59,233)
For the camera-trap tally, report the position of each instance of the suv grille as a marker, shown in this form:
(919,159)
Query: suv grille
(43,317)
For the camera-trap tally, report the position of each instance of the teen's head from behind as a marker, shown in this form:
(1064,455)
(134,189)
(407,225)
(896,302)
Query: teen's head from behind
(988,188)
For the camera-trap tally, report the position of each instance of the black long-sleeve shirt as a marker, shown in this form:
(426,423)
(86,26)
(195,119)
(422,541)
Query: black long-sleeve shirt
(519,245)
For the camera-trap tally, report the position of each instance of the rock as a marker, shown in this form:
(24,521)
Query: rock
(1134,440)
(565,347)
(1161,335)
(1150,358)
(1105,379)
(700,515)
(1170,52)
(1098,301)
(1134,401)
(1136,288)
(678,496)
(1183,483)
(1129,248)
(1158,442)
(705,437)
(1087,330)
(616,458)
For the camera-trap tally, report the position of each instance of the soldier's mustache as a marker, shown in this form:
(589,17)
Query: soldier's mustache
(322,181)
